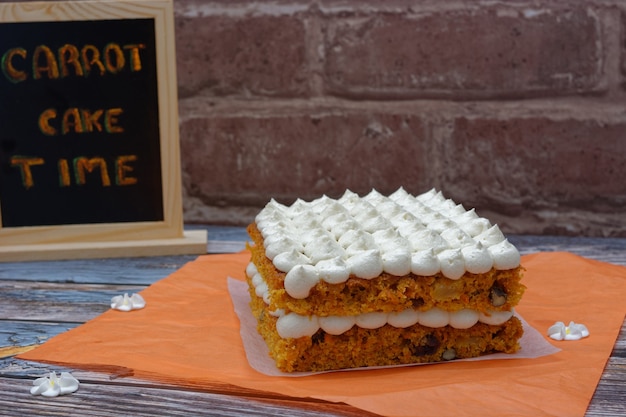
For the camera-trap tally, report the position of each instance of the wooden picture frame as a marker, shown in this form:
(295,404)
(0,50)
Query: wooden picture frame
(94,203)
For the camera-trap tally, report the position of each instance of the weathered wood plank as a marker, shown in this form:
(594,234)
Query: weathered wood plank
(131,271)
(11,367)
(217,233)
(608,400)
(27,333)
(127,396)
(25,300)
(59,295)
(135,271)
(225,247)
(113,401)
(612,250)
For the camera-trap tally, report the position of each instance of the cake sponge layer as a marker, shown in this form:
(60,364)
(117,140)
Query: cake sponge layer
(385,346)
(495,290)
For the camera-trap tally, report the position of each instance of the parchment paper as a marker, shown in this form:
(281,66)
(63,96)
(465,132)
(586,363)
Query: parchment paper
(533,344)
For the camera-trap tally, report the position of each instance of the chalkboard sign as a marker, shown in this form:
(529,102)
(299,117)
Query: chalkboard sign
(89,141)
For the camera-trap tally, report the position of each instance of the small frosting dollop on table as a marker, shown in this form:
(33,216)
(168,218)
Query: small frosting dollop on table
(574,331)
(53,385)
(127,303)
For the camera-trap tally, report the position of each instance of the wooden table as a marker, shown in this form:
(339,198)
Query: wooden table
(41,299)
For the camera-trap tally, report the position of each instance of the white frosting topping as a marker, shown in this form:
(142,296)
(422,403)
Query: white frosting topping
(404,319)
(425,263)
(334,270)
(478,260)
(300,280)
(295,325)
(452,263)
(286,261)
(366,264)
(336,325)
(372,320)
(505,255)
(292,325)
(332,239)
(463,319)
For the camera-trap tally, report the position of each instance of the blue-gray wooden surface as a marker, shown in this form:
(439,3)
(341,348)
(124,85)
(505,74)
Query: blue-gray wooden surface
(39,300)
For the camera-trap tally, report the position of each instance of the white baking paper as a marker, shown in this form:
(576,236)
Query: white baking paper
(533,344)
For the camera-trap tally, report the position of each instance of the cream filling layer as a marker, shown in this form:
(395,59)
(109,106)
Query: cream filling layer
(293,325)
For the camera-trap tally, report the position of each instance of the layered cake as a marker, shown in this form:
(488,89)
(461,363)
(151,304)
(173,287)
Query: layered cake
(381,280)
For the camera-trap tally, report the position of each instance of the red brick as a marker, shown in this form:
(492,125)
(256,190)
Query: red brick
(623,49)
(470,52)
(539,169)
(246,159)
(553,165)
(241,55)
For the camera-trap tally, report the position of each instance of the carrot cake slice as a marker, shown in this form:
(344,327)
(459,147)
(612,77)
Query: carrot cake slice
(381,280)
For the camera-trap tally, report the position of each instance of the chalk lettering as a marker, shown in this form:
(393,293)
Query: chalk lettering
(114,58)
(91,57)
(91,120)
(10,72)
(44,122)
(70,56)
(135,59)
(24,163)
(83,165)
(70,60)
(122,170)
(64,173)
(111,122)
(44,62)
(71,118)
(75,120)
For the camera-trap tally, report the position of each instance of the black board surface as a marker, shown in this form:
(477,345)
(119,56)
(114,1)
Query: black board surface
(79,125)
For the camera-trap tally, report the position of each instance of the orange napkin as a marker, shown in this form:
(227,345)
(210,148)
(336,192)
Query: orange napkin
(188,334)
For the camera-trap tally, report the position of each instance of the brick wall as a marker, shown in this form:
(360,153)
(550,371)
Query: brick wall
(515,108)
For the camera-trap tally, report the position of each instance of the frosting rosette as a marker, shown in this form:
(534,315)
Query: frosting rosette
(127,303)
(574,331)
(53,385)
